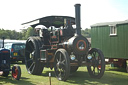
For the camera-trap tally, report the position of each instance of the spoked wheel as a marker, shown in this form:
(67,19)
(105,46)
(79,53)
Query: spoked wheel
(97,67)
(16,72)
(32,54)
(62,64)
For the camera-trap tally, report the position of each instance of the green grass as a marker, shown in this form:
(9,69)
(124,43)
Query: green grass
(112,76)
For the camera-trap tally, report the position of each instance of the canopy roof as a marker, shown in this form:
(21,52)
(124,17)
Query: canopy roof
(48,21)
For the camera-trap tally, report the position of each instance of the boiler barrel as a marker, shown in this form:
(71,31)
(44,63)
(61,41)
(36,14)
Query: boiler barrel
(78,45)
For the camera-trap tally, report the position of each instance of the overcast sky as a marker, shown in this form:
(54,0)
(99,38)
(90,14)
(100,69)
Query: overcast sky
(15,12)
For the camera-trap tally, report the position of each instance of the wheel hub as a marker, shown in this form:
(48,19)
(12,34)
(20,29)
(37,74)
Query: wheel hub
(32,55)
(60,65)
(95,63)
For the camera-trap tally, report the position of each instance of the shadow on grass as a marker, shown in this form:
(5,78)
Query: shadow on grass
(119,69)
(82,78)
(46,73)
(112,76)
(22,81)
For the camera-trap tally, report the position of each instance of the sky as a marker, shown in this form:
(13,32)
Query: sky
(15,12)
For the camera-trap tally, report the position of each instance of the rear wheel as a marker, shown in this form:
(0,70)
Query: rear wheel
(16,72)
(32,55)
(62,64)
(97,67)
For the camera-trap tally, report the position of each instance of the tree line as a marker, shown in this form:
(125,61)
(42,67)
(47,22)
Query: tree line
(25,33)
(14,35)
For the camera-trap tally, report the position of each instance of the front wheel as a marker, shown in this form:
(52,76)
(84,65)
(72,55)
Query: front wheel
(62,64)
(16,72)
(96,59)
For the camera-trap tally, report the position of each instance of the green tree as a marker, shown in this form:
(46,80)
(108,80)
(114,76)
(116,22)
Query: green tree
(86,33)
(4,33)
(11,34)
(29,32)
(23,34)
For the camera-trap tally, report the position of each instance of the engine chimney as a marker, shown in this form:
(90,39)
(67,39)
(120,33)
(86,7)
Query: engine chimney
(77,19)
(3,42)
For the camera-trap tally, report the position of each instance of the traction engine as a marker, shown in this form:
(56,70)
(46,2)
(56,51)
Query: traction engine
(60,46)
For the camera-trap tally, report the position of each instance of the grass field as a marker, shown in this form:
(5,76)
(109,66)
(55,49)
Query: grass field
(112,76)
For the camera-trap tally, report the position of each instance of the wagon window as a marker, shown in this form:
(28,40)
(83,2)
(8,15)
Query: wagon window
(113,30)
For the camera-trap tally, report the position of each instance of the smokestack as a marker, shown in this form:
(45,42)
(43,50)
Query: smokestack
(3,42)
(77,19)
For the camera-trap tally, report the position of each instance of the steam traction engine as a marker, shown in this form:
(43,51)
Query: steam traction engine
(62,47)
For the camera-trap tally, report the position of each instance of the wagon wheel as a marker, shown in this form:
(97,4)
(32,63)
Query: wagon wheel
(97,67)
(16,72)
(62,64)
(32,55)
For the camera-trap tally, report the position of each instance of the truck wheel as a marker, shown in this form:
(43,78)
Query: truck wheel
(32,55)
(16,72)
(62,64)
(97,67)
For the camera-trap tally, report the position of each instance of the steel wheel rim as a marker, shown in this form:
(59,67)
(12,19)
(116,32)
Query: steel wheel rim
(15,73)
(97,66)
(30,56)
(60,67)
